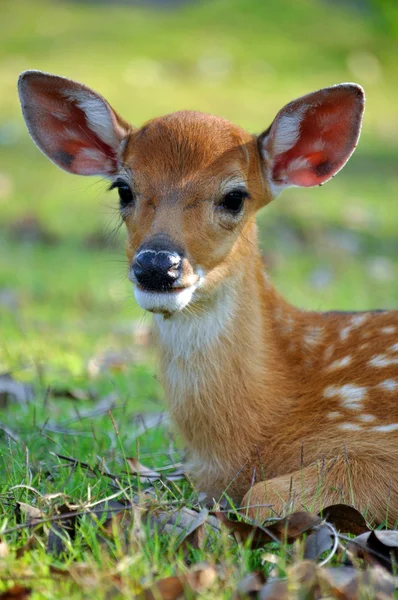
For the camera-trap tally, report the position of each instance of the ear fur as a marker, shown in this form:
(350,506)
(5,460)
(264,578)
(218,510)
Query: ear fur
(312,137)
(71,124)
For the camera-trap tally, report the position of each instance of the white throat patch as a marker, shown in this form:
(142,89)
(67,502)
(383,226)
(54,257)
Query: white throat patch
(196,328)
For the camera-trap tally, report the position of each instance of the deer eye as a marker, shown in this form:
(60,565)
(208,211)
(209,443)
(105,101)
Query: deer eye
(233,201)
(126,196)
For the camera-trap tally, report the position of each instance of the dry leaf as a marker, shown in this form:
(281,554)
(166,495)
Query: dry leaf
(318,542)
(4,550)
(345,518)
(33,515)
(17,592)
(72,393)
(348,583)
(148,475)
(14,391)
(198,580)
(29,545)
(376,547)
(250,585)
(287,529)
(194,536)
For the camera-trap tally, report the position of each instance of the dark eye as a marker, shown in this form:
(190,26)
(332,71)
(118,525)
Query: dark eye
(126,196)
(233,201)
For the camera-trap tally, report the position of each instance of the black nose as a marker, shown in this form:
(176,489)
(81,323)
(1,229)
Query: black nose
(157,270)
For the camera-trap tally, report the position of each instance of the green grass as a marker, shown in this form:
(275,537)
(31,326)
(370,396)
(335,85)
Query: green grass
(65,301)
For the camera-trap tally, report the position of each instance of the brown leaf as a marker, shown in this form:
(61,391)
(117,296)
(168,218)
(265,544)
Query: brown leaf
(294,525)
(250,585)
(13,390)
(73,393)
(346,583)
(287,529)
(32,514)
(376,547)
(345,518)
(194,536)
(169,588)
(274,590)
(61,528)
(17,592)
(30,544)
(4,549)
(302,577)
(318,542)
(198,580)
(148,475)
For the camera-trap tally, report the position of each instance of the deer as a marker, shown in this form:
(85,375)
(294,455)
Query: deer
(279,407)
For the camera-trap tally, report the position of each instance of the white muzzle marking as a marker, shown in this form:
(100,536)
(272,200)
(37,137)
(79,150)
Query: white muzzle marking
(164,302)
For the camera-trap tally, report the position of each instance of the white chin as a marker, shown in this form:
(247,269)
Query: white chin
(164,302)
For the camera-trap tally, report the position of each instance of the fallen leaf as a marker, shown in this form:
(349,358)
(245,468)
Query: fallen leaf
(198,580)
(32,514)
(149,475)
(250,585)
(65,526)
(72,393)
(348,583)
(17,592)
(345,518)
(318,542)
(274,590)
(14,391)
(376,547)
(194,536)
(294,525)
(29,545)
(287,529)
(4,550)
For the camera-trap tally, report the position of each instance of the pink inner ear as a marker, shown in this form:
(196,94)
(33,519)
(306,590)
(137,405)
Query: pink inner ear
(73,145)
(71,124)
(325,135)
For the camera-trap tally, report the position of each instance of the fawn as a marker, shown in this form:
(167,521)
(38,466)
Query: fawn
(278,406)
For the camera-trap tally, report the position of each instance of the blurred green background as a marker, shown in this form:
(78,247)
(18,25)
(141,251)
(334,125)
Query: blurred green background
(66,306)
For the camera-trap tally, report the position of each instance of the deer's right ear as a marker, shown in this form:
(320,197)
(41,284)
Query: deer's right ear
(71,124)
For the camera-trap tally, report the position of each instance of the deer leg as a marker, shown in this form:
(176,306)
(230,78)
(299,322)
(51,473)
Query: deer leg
(323,483)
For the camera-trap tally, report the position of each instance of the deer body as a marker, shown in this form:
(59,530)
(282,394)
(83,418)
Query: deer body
(275,404)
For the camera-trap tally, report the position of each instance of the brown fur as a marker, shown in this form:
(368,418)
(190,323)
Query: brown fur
(261,414)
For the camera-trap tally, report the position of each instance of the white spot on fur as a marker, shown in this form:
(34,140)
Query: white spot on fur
(388,330)
(328,353)
(382,360)
(366,418)
(351,395)
(340,363)
(389,385)
(350,426)
(334,414)
(313,336)
(394,348)
(386,428)
(345,332)
(358,320)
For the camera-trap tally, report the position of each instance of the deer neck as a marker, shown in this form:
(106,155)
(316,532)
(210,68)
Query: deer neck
(221,367)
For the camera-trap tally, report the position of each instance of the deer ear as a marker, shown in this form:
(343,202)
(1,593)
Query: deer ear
(72,125)
(312,138)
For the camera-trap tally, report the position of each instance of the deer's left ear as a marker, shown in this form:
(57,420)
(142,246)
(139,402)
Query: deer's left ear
(312,138)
